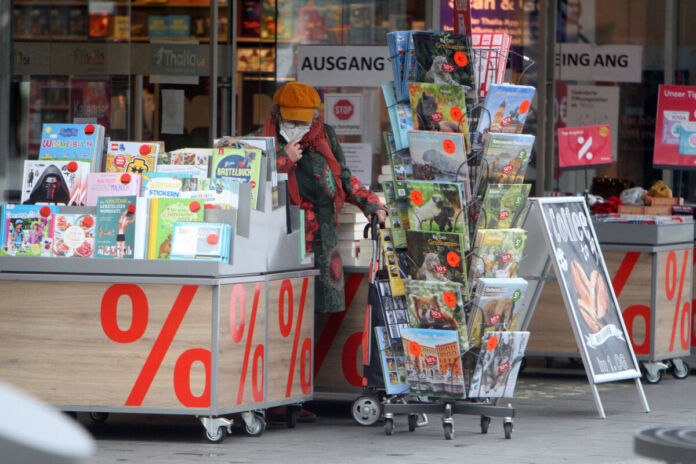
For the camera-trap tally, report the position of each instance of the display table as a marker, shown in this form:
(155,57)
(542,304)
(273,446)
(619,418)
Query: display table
(652,271)
(170,337)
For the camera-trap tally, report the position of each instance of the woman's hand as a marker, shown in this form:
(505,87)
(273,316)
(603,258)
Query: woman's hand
(381,216)
(294,151)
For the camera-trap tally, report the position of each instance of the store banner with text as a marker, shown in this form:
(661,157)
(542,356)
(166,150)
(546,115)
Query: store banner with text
(605,63)
(343,66)
(585,147)
(675,128)
(587,290)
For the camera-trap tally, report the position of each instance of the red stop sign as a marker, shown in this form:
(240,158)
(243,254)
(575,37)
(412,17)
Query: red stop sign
(343,109)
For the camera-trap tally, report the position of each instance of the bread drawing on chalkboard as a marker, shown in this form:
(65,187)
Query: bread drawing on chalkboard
(592,296)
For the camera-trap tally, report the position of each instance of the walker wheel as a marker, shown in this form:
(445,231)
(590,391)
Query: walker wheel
(389,426)
(485,422)
(507,428)
(412,422)
(366,410)
(448,428)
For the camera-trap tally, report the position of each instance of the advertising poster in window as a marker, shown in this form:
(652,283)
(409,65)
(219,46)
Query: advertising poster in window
(675,128)
(585,147)
(587,291)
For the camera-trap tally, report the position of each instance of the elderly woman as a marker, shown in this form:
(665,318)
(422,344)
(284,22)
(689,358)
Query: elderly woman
(319,182)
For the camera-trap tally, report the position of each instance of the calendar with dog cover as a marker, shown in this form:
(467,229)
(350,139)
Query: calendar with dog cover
(27,230)
(497,307)
(391,356)
(439,108)
(437,207)
(502,205)
(437,256)
(54,182)
(499,363)
(506,157)
(496,253)
(437,305)
(74,235)
(505,109)
(439,156)
(241,164)
(433,363)
(445,58)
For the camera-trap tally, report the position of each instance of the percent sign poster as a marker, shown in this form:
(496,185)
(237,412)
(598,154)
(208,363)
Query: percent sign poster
(675,144)
(584,147)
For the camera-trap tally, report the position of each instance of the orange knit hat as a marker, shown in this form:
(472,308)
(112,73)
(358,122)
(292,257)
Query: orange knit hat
(297,101)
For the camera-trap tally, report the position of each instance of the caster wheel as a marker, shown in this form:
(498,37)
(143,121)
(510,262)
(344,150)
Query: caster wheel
(293,415)
(653,378)
(217,436)
(412,422)
(485,422)
(99,417)
(257,427)
(389,426)
(507,428)
(366,410)
(449,431)
(680,370)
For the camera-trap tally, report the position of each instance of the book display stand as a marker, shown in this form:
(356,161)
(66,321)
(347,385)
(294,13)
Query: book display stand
(206,339)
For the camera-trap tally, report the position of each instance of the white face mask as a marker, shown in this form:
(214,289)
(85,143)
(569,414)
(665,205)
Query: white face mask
(292,131)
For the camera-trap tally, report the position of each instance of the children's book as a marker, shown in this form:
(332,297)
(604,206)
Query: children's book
(115,237)
(193,161)
(394,308)
(132,157)
(73,142)
(437,305)
(27,230)
(505,109)
(497,306)
(502,205)
(437,207)
(164,212)
(445,58)
(437,256)
(506,157)
(243,165)
(391,356)
(400,116)
(499,363)
(220,193)
(164,184)
(111,184)
(497,253)
(439,156)
(74,235)
(57,182)
(433,363)
(201,240)
(438,107)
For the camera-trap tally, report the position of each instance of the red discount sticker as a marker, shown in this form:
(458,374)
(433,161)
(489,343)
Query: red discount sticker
(456,113)
(492,343)
(125,178)
(89,129)
(213,239)
(453,259)
(45,211)
(461,59)
(72,166)
(450,299)
(417,198)
(414,348)
(144,149)
(524,106)
(194,207)
(131,208)
(448,146)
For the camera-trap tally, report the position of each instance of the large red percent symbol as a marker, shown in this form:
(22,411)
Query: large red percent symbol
(139,323)
(285,319)
(672,288)
(238,304)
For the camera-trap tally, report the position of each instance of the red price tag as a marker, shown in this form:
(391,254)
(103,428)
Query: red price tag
(194,207)
(453,259)
(456,114)
(524,106)
(461,59)
(125,178)
(89,129)
(492,343)
(45,211)
(131,208)
(450,299)
(213,239)
(417,198)
(72,166)
(144,149)
(414,348)
(448,146)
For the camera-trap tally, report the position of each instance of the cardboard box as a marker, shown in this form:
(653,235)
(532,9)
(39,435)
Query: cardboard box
(663,201)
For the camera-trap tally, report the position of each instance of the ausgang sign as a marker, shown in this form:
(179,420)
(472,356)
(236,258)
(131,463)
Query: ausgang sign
(606,63)
(343,66)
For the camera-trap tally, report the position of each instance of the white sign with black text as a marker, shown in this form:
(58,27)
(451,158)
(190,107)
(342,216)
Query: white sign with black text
(605,63)
(359,160)
(593,105)
(343,66)
(343,112)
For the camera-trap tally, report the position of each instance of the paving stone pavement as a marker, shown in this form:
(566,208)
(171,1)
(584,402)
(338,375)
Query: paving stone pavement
(556,422)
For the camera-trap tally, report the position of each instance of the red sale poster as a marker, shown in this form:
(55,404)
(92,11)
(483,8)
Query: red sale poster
(584,147)
(676,108)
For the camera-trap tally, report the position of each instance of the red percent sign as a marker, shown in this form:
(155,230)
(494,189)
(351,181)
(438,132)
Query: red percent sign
(285,326)
(238,304)
(139,323)
(672,289)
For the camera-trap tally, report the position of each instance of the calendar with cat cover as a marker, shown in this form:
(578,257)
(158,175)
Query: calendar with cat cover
(391,356)
(497,306)
(437,207)
(502,205)
(437,256)
(505,158)
(433,363)
(499,363)
(439,156)
(394,308)
(437,305)
(439,107)
(496,253)
(445,58)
